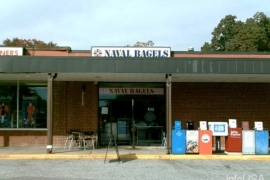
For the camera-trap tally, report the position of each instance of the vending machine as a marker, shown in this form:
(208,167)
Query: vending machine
(205,142)
(233,142)
(178,139)
(192,141)
(261,142)
(248,142)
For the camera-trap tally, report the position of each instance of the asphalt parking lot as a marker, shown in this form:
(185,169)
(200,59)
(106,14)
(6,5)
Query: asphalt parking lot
(133,169)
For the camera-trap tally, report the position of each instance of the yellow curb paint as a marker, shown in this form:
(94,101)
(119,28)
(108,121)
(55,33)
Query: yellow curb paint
(135,156)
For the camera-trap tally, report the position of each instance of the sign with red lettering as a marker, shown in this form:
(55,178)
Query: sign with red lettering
(11,51)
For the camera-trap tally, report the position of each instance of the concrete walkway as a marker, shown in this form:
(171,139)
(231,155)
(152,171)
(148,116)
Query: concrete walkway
(125,152)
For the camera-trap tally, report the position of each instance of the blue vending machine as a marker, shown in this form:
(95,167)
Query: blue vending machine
(178,139)
(261,142)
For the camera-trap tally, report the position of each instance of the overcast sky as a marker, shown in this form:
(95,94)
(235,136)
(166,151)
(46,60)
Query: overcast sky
(81,24)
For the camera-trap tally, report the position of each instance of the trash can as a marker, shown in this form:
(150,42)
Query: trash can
(261,142)
(190,125)
(178,141)
(248,142)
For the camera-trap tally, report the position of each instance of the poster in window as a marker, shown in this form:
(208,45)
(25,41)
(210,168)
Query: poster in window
(4,107)
(104,110)
(29,112)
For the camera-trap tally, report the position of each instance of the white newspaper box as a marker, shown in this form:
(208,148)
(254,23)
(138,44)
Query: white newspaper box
(248,142)
(192,141)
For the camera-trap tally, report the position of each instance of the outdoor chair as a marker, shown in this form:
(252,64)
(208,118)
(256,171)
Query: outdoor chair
(73,137)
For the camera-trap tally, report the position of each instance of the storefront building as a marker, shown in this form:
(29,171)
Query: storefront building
(53,90)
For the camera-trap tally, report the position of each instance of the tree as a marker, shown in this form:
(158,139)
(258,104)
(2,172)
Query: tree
(232,35)
(16,42)
(143,44)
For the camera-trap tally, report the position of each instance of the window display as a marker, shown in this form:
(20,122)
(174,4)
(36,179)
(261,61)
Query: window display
(23,105)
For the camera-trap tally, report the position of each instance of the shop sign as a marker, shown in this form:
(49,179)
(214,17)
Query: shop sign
(131,51)
(132,91)
(11,51)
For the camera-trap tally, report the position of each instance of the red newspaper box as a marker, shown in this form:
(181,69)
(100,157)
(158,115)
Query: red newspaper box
(205,142)
(233,142)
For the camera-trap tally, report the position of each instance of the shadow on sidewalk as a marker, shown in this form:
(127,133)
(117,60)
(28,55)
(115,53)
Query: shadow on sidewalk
(123,158)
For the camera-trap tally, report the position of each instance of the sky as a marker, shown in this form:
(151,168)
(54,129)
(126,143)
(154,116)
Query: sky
(81,24)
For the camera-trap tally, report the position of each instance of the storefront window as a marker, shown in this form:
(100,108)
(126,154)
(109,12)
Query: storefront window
(23,105)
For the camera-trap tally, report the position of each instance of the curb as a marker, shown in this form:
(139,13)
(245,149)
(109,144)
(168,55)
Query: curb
(134,156)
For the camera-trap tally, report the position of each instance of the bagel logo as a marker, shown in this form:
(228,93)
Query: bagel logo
(98,52)
(205,138)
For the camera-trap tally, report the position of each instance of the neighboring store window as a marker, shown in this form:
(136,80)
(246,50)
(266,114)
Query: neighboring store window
(8,96)
(24,106)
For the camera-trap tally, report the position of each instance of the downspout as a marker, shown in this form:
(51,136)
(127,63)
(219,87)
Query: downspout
(50,112)
(168,113)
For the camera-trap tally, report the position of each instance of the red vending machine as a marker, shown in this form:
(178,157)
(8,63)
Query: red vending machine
(205,142)
(233,142)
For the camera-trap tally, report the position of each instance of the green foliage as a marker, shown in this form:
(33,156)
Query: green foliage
(231,35)
(16,42)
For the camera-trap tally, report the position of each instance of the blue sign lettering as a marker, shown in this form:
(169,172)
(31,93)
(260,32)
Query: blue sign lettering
(107,52)
(137,53)
(219,127)
(166,53)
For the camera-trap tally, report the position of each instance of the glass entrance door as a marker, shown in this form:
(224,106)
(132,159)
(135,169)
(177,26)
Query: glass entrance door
(143,103)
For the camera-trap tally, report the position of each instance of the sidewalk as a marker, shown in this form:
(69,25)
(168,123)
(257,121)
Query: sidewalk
(125,152)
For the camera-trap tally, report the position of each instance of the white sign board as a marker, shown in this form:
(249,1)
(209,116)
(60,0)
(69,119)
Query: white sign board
(232,123)
(218,128)
(11,51)
(258,125)
(203,125)
(124,51)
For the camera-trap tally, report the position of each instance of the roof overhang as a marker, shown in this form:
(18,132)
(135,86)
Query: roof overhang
(135,69)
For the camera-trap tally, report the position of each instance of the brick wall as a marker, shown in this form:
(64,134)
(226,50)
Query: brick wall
(68,114)
(190,101)
(23,138)
(221,102)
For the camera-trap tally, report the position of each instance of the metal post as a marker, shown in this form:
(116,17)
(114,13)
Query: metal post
(168,113)
(218,144)
(133,124)
(49,122)
(49,112)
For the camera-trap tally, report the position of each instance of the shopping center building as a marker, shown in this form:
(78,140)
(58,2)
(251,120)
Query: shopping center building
(45,92)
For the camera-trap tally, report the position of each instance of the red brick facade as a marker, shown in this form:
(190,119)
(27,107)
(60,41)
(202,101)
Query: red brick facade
(221,102)
(190,101)
(68,114)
